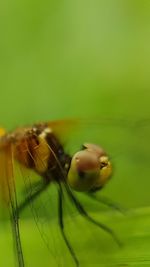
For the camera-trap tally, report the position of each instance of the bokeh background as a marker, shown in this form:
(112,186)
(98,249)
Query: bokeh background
(83,59)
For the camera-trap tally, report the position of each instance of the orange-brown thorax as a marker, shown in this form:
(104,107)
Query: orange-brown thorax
(39,149)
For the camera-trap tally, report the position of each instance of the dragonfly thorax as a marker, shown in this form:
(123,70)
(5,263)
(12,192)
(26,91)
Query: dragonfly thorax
(40,150)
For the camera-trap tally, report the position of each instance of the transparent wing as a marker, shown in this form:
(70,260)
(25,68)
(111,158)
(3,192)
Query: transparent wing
(9,197)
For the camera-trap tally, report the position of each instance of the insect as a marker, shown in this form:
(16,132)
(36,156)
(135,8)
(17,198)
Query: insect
(39,148)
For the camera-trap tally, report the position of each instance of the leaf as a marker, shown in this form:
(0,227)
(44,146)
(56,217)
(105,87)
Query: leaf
(94,247)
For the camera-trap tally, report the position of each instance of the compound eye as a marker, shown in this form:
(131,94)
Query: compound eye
(105,172)
(90,169)
(84,171)
(99,151)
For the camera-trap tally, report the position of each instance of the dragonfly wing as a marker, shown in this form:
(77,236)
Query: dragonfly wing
(6,173)
(9,196)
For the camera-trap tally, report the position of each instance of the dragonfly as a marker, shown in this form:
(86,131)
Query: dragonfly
(40,148)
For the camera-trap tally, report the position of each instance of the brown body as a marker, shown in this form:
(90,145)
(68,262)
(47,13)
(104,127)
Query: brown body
(39,148)
(36,148)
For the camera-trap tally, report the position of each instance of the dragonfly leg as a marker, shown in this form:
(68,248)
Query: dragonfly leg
(61,224)
(15,211)
(107,202)
(32,196)
(89,218)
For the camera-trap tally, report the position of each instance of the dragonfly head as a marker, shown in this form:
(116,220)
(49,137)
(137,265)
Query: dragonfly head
(90,169)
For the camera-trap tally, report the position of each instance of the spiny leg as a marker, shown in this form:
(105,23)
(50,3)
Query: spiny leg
(32,196)
(61,224)
(37,189)
(107,202)
(89,218)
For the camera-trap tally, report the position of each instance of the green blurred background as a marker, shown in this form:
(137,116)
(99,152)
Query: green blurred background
(88,59)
